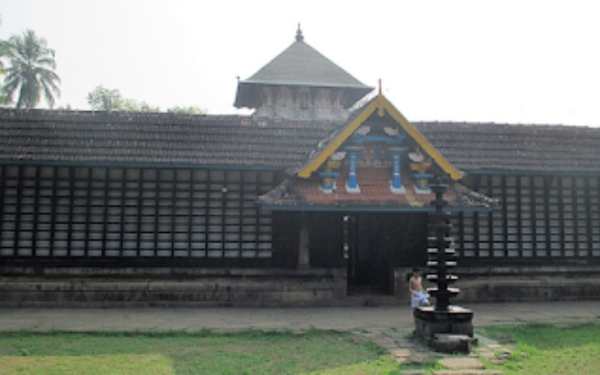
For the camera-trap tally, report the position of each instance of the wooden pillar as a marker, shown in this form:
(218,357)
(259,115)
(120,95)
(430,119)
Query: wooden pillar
(303,244)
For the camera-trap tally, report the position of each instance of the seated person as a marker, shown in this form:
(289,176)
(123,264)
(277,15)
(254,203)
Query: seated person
(418,296)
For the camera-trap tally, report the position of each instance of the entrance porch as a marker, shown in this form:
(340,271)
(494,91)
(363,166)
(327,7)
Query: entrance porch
(375,250)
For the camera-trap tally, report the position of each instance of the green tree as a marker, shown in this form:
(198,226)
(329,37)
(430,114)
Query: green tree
(104,99)
(3,55)
(4,98)
(190,110)
(31,72)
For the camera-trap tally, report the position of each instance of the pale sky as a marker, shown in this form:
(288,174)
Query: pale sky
(500,61)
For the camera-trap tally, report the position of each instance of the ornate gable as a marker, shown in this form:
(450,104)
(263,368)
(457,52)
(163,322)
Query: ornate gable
(378,160)
(378,136)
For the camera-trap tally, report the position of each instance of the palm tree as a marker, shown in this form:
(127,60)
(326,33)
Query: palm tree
(3,53)
(31,71)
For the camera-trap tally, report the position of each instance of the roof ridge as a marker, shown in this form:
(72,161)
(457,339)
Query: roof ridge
(511,124)
(35,115)
(75,112)
(128,116)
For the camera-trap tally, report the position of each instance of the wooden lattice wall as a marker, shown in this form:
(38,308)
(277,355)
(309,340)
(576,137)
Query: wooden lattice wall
(210,217)
(98,212)
(538,218)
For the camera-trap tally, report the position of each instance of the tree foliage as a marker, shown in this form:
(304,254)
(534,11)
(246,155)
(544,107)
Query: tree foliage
(31,72)
(190,110)
(4,99)
(105,99)
(3,55)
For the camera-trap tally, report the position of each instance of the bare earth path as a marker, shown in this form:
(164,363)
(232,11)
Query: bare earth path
(338,318)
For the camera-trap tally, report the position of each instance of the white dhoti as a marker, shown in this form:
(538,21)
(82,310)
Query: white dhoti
(419,299)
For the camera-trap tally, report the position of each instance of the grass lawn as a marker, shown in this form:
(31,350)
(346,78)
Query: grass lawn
(314,352)
(544,350)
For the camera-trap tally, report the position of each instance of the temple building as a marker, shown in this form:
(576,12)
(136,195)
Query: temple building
(321,196)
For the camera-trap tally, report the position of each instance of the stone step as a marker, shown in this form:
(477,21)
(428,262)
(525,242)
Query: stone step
(400,352)
(461,362)
(451,343)
(467,372)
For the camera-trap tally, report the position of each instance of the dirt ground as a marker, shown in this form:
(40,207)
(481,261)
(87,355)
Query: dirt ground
(337,318)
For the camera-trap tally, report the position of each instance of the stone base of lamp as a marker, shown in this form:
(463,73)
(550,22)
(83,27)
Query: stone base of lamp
(445,331)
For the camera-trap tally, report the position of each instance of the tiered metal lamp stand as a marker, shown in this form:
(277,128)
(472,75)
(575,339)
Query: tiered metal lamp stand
(444,327)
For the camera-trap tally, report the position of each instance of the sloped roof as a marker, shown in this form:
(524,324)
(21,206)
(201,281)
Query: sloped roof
(300,65)
(152,138)
(504,147)
(238,141)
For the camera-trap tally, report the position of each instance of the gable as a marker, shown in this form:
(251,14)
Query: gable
(380,107)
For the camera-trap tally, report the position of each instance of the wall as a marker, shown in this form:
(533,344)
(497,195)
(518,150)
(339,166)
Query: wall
(301,103)
(101,287)
(540,219)
(97,214)
(528,283)
(515,283)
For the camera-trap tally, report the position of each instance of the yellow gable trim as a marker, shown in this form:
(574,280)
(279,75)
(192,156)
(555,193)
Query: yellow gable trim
(421,140)
(314,164)
(380,103)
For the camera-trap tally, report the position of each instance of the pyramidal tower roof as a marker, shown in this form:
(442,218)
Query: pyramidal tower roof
(300,65)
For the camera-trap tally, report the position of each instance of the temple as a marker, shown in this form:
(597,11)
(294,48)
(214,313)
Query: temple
(324,195)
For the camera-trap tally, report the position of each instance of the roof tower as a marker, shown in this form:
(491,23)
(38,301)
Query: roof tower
(300,65)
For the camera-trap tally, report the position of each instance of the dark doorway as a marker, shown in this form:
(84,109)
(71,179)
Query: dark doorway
(377,243)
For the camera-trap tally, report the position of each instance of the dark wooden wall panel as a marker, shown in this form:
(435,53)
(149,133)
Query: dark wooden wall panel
(539,219)
(83,212)
(326,239)
(286,236)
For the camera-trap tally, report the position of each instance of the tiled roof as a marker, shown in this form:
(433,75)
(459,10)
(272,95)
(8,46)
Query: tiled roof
(491,146)
(59,136)
(123,137)
(300,65)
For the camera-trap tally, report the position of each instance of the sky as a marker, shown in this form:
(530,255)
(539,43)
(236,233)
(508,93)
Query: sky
(489,61)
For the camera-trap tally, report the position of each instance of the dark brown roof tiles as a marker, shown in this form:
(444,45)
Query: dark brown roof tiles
(160,138)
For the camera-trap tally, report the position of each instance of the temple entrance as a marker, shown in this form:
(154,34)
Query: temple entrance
(377,244)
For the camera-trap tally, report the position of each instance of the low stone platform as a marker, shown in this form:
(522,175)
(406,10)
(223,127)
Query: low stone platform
(167,287)
(429,322)
(445,331)
(528,283)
